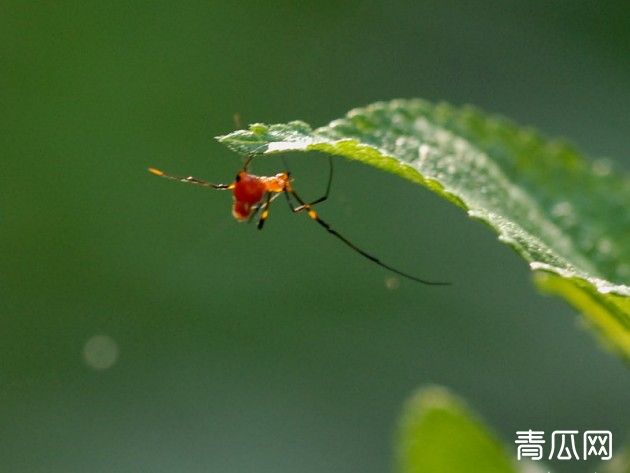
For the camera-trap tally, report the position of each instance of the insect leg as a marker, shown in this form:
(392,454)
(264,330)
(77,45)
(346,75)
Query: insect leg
(254,213)
(265,209)
(314,216)
(330,179)
(248,161)
(325,196)
(264,214)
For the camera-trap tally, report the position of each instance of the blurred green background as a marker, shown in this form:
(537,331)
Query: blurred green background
(226,349)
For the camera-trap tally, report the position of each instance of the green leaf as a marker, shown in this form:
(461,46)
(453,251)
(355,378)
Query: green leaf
(619,463)
(438,434)
(567,217)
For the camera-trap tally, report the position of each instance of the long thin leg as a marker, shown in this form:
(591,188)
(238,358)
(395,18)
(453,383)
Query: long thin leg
(250,157)
(325,196)
(330,179)
(191,180)
(254,213)
(248,161)
(265,209)
(287,195)
(313,215)
(265,212)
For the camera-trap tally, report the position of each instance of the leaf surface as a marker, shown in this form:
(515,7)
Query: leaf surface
(439,434)
(568,217)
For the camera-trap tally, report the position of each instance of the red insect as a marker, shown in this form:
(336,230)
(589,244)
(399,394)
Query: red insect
(252,195)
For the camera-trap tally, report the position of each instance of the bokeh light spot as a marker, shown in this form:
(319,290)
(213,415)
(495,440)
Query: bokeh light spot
(100,352)
(392,282)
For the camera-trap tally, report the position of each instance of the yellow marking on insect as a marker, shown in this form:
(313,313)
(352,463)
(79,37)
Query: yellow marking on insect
(157,172)
(312,214)
(265,214)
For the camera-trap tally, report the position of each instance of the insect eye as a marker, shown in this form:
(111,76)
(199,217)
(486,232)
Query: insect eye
(238,177)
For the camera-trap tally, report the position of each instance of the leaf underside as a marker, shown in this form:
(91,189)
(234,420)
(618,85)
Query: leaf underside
(566,216)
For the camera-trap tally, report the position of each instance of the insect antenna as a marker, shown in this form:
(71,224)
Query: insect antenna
(238,123)
(190,180)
